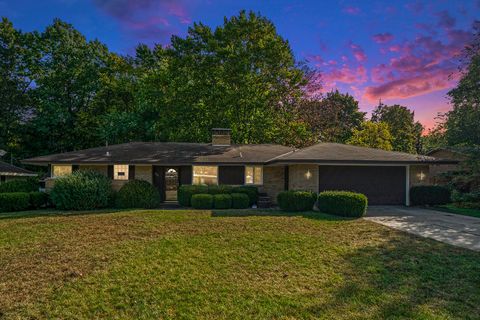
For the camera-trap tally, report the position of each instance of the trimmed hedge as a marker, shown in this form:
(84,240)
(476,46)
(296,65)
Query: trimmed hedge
(296,200)
(14,201)
(240,201)
(250,191)
(220,189)
(38,199)
(430,195)
(202,201)
(137,194)
(185,193)
(343,203)
(222,201)
(81,190)
(20,185)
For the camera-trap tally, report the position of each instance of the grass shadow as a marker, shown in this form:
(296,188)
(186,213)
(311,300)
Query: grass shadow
(54,213)
(316,215)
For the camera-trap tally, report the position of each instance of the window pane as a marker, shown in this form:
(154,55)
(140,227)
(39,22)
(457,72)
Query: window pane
(205,175)
(61,170)
(258,176)
(249,175)
(254,175)
(120,172)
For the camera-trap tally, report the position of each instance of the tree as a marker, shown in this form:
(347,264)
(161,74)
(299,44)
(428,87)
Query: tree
(405,131)
(333,118)
(372,135)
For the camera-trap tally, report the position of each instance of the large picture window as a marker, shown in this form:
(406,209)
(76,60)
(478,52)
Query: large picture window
(120,172)
(254,175)
(205,175)
(59,170)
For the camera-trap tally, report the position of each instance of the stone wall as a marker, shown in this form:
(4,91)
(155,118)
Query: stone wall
(273,181)
(303,177)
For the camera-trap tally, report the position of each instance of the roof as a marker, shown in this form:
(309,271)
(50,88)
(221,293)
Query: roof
(343,153)
(167,153)
(7,169)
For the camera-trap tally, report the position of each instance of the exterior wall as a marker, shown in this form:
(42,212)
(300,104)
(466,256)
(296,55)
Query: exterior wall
(103,169)
(143,173)
(273,181)
(303,177)
(437,170)
(420,175)
(221,139)
(117,184)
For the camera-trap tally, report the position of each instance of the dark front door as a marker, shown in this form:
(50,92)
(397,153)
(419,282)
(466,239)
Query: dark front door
(159,180)
(381,185)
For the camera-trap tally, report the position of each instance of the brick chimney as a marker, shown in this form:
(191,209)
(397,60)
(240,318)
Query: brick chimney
(221,137)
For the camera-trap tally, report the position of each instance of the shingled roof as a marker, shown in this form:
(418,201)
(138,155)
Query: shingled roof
(7,169)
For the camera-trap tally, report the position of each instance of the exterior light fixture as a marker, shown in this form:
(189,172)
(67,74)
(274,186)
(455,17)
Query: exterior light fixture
(308,174)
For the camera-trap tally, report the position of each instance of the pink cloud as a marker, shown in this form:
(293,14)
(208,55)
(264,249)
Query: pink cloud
(352,10)
(358,52)
(383,37)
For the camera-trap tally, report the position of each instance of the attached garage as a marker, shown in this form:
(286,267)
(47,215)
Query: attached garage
(381,184)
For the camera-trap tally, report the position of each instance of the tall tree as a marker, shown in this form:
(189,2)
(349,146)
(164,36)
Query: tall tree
(372,135)
(333,118)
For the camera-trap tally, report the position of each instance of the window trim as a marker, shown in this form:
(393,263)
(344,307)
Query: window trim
(115,172)
(261,176)
(201,165)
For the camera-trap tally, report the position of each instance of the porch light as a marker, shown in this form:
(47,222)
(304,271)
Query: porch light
(308,174)
(421,176)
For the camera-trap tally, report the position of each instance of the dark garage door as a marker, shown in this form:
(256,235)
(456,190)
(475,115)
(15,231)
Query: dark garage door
(382,185)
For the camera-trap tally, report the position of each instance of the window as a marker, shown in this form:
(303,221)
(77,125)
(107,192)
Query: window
(254,175)
(120,172)
(205,175)
(59,170)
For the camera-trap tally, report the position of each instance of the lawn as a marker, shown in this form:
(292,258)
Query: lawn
(463,211)
(228,265)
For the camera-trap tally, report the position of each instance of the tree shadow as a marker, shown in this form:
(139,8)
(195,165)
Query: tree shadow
(316,215)
(54,213)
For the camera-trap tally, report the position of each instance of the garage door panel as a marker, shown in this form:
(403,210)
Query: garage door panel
(382,185)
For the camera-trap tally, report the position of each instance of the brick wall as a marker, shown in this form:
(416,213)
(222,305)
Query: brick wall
(143,173)
(420,175)
(303,177)
(273,181)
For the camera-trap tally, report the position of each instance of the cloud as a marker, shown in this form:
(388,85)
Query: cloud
(358,52)
(352,10)
(383,37)
(445,20)
(415,7)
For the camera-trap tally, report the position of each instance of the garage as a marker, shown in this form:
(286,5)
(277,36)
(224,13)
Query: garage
(381,184)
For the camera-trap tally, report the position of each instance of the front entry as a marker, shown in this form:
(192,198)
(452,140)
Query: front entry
(167,180)
(171,184)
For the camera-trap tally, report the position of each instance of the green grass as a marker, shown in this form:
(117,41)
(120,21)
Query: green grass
(240,264)
(463,211)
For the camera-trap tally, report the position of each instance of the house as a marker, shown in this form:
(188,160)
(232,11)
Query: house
(438,172)
(9,172)
(384,176)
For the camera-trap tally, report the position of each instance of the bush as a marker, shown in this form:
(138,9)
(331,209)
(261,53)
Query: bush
(296,200)
(20,185)
(38,199)
(14,201)
(429,195)
(222,201)
(202,201)
(185,193)
(221,189)
(250,191)
(343,203)
(240,201)
(137,194)
(81,190)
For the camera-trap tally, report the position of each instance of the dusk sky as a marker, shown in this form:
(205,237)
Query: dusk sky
(398,51)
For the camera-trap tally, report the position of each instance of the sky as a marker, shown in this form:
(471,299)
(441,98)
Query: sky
(400,51)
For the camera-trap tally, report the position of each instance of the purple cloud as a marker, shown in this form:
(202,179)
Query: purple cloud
(445,20)
(383,37)
(351,10)
(358,52)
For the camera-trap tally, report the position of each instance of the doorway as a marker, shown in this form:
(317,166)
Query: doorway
(171,184)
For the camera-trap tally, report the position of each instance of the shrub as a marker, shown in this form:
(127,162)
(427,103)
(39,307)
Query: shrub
(185,193)
(38,199)
(14,201)
(343,203)
(81,190)
(296,200)
(222,201)
(220,189)
(137,194)
(429,195)
(250,191)
(20,185)
(240,201)
(202,201)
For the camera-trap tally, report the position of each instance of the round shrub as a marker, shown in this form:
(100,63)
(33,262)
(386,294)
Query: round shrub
(137,194)
(38,199)
(220,189)
(240,201)
(202,201)
(20,185)
(296,200)
(429,195)
(14,201)
(343,203)
(185,193)
(81,190)
(222,201)
(250,191)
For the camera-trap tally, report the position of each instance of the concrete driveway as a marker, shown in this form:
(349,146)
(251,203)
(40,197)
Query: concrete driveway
(457,230)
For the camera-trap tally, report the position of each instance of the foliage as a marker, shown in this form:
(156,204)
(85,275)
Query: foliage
(185,193)
(38,199)
(343,203)
(240,200)
(222,201)
(202,201)
(296,200)
(20,185)
(250,191)
(430,195)
(137,194)
(14,201)
(219,189)
(372,135)
(82,190)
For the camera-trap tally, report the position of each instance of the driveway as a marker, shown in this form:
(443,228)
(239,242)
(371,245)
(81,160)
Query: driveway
(457,230)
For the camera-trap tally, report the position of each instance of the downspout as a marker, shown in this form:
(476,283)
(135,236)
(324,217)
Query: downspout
(407,185)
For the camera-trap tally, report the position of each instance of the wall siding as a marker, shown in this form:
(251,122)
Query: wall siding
(297,179)
(273,181)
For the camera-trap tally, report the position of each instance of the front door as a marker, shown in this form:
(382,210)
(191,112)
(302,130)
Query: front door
(171,184)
